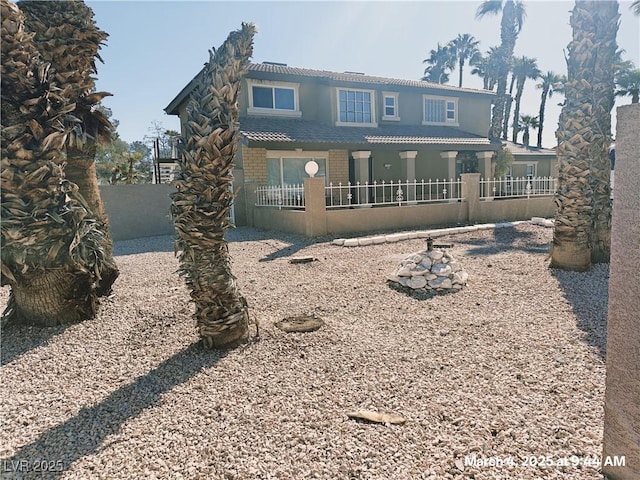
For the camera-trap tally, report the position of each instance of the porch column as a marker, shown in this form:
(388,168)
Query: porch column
(451,158)
(409,158)
(484,159)
(361,165)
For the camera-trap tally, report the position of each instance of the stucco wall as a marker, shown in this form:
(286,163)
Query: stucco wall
(621,407)
(341,221)
(270,218)
(136,211)
(508,210)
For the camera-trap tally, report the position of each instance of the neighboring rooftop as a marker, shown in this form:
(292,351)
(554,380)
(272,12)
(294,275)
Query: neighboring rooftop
(521,149)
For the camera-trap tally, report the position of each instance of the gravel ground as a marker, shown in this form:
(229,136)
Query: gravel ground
(509,370)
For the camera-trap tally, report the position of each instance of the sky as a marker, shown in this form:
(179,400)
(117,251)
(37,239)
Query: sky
(156,47)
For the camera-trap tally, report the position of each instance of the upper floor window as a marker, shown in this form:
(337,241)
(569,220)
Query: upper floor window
(273,98)
(390,106)
(356,107)
(440,110)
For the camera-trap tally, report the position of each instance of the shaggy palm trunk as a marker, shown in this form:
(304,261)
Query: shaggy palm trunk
(68,38)
(50,247)
(81,169)
(606,18)
(202,203)
(579,144)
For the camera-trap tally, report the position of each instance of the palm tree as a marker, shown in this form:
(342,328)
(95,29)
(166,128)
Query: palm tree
(464,47)
(513,13)
(584,135)
(202,203)
(51,248)
(440,61)
(635,6)
(549,83)
(523,68)
(526,122)
(628,84)
(485,67)
(68,38)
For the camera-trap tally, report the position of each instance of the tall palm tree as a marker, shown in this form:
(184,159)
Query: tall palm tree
(51,248)
(635,6)
(583,139)
(485,67)
(628,84)
(202,203)
(549,82)
(513,13)
(440,62)
(523,68)
(67,37)
(527,122)
(465,48)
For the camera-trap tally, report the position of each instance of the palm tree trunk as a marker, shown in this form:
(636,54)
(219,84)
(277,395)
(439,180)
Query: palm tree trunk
(202,203)
(606,27)
(81,170)
(461,68)
(50,298)
(507,109)
(580,141)
(516,112)
(543,104)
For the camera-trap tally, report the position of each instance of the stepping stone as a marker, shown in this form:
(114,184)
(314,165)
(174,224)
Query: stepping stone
(377,417)
(300,324)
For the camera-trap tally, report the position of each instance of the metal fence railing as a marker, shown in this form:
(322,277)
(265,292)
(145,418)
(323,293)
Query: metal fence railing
(281,196)
(393,193)
(517,187)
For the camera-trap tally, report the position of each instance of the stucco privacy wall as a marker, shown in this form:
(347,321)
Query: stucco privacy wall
(622,397)
(136,211)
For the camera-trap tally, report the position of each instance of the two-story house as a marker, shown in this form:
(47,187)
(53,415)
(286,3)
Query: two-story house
(356,127)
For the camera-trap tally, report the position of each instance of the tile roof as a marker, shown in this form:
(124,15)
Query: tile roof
(267,129)
(281,70)
(355,77)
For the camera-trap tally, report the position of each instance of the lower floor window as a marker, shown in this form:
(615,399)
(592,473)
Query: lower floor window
(290,170)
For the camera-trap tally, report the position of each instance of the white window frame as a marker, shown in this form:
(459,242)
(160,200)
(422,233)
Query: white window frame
(311,155)
(451,122)
(251,110)
(372,95)
(396,116)
(526,163)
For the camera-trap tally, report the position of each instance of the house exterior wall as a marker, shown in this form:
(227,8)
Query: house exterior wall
(338,166)
(254,161)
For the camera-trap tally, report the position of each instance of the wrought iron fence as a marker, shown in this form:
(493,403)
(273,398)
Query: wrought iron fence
(281,196)
(393,193)
(517,187)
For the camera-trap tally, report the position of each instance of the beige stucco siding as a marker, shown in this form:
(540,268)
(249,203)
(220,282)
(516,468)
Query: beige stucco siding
(474,114)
